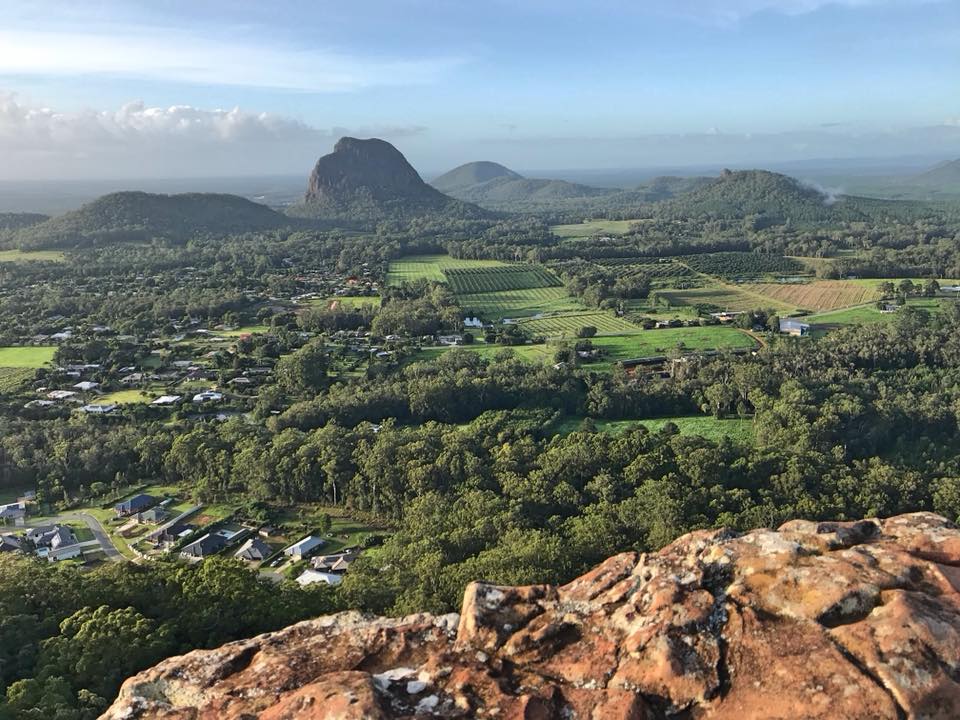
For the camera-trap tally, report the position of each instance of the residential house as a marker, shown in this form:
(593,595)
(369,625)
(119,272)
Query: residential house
(450,339)
(167,400)
(99,409)
(13,511)
(9,543)
(156,514)
(136,504)
(254,550)
(54,542)
(791,326)
(335,563)
(300,550)
(60,394)
(208,396)
(209,544)
(86,386)
(312,577)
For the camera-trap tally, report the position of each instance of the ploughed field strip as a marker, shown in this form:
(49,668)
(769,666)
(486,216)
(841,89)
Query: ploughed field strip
(569,323)
(819,295)
(431,267)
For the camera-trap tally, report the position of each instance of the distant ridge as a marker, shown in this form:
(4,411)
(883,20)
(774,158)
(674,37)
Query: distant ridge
(143,217)
(17,221)
(944,174)
(473,173)
(370,180)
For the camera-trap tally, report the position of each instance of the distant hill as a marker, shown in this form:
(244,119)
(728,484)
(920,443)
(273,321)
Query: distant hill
(473,173)
(17,221)
(370,180)
(945,174)
(144,217)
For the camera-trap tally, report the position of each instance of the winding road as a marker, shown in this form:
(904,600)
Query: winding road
(106,544)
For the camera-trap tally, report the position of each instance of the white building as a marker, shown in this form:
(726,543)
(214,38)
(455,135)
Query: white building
(312,577)
(301,549)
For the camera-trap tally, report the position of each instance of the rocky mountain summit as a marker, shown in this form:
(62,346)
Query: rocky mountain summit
(814,620)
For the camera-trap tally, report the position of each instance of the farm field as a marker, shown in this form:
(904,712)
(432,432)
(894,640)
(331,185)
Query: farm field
(647,343)
(725,297)
(495,279)
(655,268)
(31,255)
(26,357)
(494,306)
(868,314)
(529,353)
(245,330)
(125,397)
(568,324)
(430,267)
(709,427)
(592,227)
(347,301)
(12,378)
(819,295)
(740,264)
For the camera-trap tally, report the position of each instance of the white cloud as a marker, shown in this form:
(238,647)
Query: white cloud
(179,56)
(732,11)
(181,140)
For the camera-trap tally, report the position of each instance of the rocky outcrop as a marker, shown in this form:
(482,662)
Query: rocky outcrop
(814,620)
(371,179)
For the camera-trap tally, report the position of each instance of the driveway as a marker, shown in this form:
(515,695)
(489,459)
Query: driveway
(106,544)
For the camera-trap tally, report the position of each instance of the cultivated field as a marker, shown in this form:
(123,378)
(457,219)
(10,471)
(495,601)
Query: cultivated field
(819,295)
(431,267)
(494,279)
(26,357)
(569,323)
(655,268)
(11,379)
(30,255)
(494,306)
(725,297)
(592,227)
(742,264)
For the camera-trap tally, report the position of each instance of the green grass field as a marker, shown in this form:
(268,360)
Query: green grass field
(125,397)
(494,306)
(245,330)
(569,323)
(26,357)
(725,297)
(659,342)
(592,227)
(31,255)
(869,314)
(431,267)
(737,429)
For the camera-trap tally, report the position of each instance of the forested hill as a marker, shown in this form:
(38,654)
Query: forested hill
(365,181)
(144,217)
(473,173)
(16,221)
(947,174)
(772,198)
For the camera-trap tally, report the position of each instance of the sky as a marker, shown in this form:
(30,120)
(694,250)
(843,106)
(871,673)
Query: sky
(203,88)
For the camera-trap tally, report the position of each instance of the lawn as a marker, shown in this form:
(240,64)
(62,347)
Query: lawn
(26,357)
(494,306)
(659,342)
(431,267)
(125,397)
(30,255)
(708,427)
(592,227)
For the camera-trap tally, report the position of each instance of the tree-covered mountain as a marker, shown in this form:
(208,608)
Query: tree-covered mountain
(17,221)
(365,181)
(945,174)
(473,173)
(145,217)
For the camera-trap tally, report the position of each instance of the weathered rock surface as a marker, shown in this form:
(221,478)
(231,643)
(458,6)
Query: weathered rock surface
(815,620)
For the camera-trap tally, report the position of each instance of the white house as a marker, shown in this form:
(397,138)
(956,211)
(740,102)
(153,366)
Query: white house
(101,409)
(301,549)
(86,386)
(166,400)
(208,396)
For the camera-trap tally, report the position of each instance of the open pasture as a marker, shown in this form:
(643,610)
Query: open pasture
(430,267)
(494,306)
(819,295)
(725,297)
(347,302)
(30,356)
(569,323)
(648,343)
(869,314)
(30,255)
(493,279)
(592,227)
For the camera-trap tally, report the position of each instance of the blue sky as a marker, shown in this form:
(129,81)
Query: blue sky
(169,87)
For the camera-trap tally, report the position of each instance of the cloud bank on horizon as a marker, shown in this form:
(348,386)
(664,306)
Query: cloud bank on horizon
(536,84)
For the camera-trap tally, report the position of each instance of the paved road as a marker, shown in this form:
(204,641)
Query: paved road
(106,544)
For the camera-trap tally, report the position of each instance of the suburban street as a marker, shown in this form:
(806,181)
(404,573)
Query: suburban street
(106,544)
